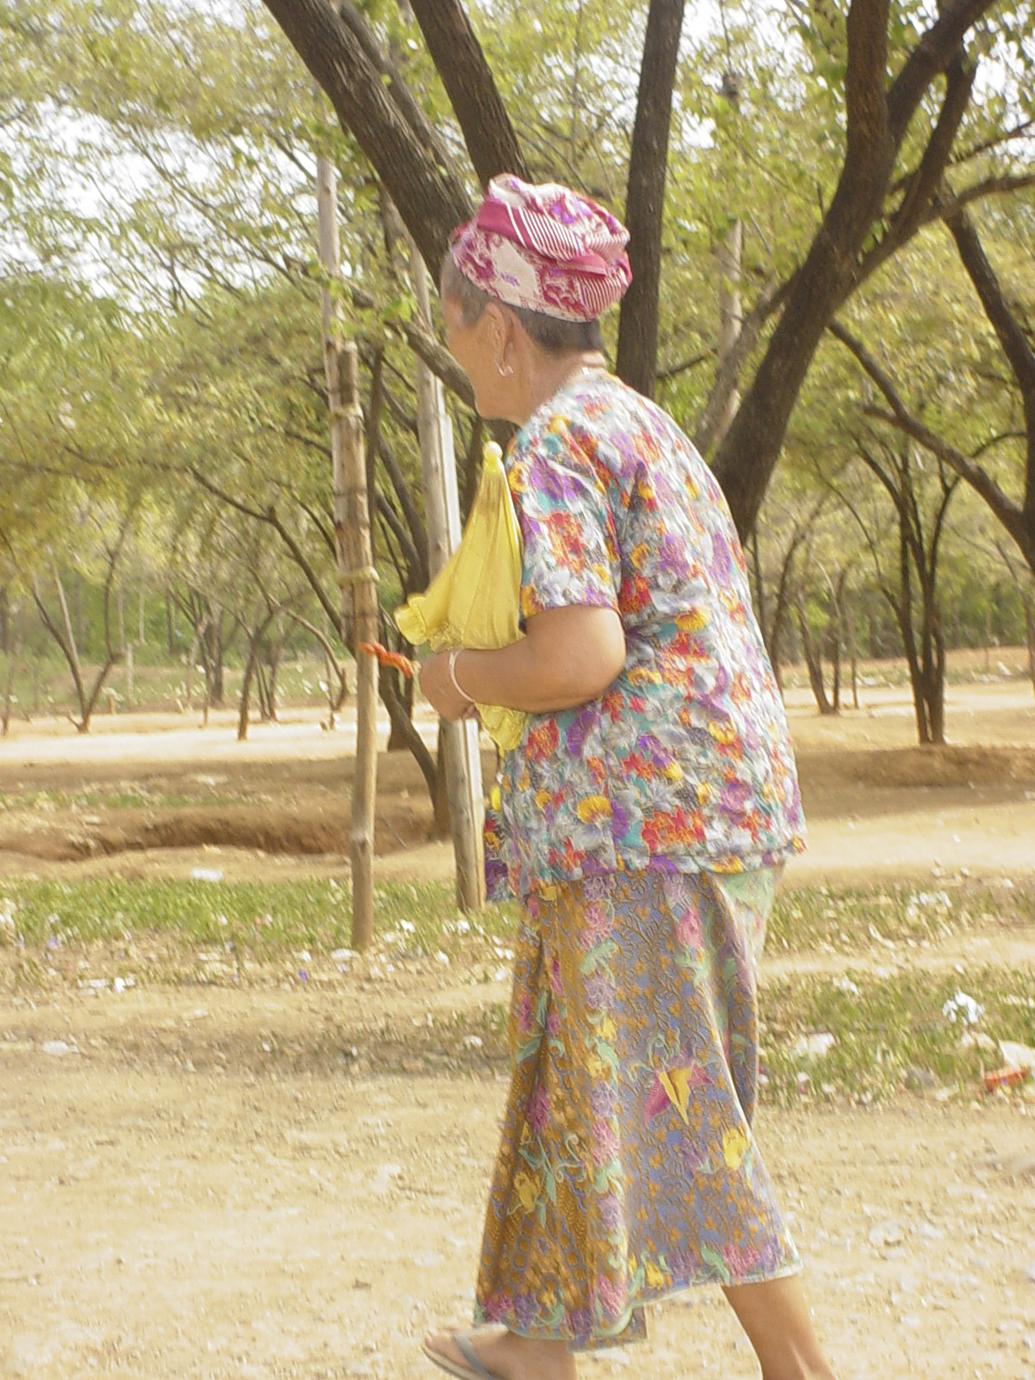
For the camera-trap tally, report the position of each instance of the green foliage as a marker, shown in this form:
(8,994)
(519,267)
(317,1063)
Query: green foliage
(159,305)
(262,920)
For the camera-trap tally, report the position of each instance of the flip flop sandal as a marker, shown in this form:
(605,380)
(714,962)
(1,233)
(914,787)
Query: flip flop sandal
(473,1370)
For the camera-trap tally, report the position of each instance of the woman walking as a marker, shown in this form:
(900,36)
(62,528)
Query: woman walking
(647,814)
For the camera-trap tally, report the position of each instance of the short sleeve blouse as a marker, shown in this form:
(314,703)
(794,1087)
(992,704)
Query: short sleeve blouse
(684,764)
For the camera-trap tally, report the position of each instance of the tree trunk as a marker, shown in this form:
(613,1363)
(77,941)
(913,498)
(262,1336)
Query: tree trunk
(170,627)
(271,672)
(215,662)
(877,118)
(760,606)
(243,703)
(334,699)
(904,613)
(337,683)
(813,662)
(936,690)
(637,358)
(12,671)
(64,636)
(903,606)
(853,651)
(262,688)
(110,662)
(275,665)
(442,818)
(1015,341)
(932,658)
(402,723)
(79,635)
(398,740)
(835,638)
(70,644)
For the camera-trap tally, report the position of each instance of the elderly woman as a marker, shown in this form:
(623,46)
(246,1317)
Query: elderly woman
(647,813)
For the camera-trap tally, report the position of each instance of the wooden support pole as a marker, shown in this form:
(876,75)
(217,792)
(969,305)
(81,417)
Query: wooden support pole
(359,600)
(442,515)
(356,573)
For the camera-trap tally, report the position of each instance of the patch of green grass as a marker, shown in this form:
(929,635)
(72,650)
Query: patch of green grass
(423,917)
(890,1032)
(889,1028)
(847,919)
(262,918)
(117,798)
(890,1035)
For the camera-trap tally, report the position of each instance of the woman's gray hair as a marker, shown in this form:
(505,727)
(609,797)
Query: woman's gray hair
(550,333)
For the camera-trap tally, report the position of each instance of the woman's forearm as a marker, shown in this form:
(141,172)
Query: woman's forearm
(513,677)
(570,656)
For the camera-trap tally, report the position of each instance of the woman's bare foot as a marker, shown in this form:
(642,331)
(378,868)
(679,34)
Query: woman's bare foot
(508,1356)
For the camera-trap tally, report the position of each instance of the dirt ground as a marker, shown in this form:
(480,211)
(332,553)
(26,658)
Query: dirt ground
(208,1182)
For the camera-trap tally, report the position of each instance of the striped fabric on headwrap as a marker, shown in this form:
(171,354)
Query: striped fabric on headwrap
(544,248)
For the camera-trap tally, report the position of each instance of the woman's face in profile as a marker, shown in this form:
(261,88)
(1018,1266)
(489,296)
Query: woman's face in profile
(478,349)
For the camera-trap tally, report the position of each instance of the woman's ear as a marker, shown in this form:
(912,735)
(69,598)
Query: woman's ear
(495,322)
(501,335)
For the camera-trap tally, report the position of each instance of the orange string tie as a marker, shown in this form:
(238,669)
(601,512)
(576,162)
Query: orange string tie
(396,660)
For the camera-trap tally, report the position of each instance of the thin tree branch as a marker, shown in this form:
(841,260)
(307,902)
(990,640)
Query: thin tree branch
(428,193)
(392,78)
(1012,338)
(1004,508)
(270,517)
(924,182)
(931,55)
(458,57)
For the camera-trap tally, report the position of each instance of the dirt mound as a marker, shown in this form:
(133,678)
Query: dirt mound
(243,826)
(301,832)
(942,766)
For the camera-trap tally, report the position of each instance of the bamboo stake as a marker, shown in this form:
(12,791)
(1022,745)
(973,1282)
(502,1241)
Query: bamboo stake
(356,574)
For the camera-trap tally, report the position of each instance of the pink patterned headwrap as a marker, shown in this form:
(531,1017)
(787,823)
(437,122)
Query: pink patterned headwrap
(545,248)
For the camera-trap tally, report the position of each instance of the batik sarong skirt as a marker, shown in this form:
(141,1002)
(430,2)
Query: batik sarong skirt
(627,1169)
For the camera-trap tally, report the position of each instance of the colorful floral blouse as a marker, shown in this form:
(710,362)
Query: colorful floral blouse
(685,762)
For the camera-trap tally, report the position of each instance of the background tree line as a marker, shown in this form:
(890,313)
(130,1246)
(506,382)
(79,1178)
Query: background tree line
(833,220)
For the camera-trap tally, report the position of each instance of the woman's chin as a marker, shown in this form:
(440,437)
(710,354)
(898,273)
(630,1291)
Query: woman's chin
(489,409)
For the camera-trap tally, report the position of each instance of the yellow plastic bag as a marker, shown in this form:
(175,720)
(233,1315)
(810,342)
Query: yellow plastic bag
(474,600)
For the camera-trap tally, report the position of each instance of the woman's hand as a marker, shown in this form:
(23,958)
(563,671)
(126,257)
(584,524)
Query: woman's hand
(439,691)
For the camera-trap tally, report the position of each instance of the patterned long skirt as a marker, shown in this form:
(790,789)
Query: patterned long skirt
(627,1169)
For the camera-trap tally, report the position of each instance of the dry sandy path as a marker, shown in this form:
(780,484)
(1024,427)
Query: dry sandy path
(169,1206)
(213,1187)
